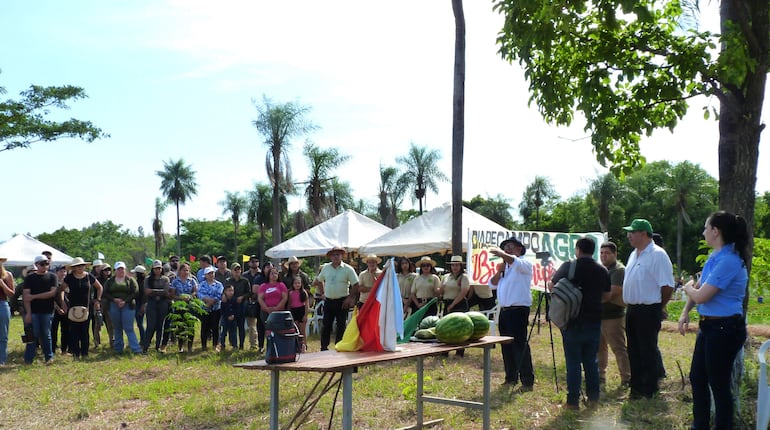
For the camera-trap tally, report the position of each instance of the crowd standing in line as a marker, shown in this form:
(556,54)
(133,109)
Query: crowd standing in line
(622,307)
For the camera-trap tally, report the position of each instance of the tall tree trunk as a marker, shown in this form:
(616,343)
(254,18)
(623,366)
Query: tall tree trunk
(679,228)
(740,117)
(178,236)
(237,255)
(458,129)
(276,197)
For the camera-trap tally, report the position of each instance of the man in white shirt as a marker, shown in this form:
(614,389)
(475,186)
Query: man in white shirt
(647,288)
(512,282)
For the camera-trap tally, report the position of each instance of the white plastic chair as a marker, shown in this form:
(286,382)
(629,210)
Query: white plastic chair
(763,395)
(492,314)
(313,324)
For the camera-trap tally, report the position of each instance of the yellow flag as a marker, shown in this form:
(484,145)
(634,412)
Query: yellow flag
(245,258)
(351,339)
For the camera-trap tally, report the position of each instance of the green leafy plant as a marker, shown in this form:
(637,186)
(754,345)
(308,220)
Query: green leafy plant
(183,317)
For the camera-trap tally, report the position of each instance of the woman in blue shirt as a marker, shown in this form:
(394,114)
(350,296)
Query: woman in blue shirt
(722,329)
(210,291)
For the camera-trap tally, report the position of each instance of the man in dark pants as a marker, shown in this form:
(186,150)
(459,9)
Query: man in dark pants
(512,282)
(582,333)
(647,287)
(339,284)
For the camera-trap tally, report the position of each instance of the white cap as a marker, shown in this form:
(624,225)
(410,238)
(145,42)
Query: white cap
(119,264)
(208,270)
(39,258)
(140,269)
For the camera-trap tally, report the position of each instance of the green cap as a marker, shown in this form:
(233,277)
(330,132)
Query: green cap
(639,224)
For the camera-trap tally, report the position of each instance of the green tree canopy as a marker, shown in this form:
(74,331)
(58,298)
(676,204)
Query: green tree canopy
(24,121)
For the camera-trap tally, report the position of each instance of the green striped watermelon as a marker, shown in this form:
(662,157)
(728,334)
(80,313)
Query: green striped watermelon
(429,321)
(480,324)
(454,328)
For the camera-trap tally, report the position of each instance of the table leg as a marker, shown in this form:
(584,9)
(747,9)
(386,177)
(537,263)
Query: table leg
(487,386)
(274,384)
(420,370)
(347,399)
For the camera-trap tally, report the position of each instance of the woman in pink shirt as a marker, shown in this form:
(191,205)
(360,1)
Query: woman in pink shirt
(272,295)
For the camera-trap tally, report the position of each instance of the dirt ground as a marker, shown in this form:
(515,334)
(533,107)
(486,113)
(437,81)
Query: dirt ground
(758,333)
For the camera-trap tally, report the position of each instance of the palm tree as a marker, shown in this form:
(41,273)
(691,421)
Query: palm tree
(603,191)
(343,197)
(391,195)
(686,186)
(537,194)
(178,185)
(458,127)
(157,225)
(421,170)
(319,193)
(278,123)
(234,204)
(259,211)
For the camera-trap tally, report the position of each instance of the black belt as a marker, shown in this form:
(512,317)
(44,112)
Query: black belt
(341,298)
(507,308)
(708,318)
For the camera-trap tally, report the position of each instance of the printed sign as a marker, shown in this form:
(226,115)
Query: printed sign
(546,250)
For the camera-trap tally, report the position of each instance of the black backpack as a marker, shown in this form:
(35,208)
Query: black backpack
(566,297)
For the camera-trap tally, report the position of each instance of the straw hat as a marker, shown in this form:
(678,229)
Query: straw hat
(336,249)
(371,257)
(293,259)
(78,261)
(425,260)
(456,259)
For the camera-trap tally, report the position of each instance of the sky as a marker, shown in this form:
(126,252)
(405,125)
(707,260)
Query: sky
(170,79)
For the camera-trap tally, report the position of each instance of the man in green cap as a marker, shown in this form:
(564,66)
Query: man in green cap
(647,287)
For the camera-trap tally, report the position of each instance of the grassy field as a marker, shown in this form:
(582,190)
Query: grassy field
(203,391)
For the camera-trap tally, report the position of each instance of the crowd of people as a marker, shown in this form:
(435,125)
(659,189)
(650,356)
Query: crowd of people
(621,309)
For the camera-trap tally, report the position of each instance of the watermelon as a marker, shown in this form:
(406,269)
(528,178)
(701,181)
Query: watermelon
(454,328)
(429,321)
(425,333)
(480,325)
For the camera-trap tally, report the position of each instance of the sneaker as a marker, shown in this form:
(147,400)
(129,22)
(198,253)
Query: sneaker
(218,348)
(162,349)
(49,362)
(526,388)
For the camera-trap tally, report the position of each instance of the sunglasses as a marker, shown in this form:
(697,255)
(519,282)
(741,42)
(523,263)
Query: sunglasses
(43,263)
(107,269)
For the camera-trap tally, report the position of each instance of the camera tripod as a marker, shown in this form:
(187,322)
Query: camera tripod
(544,297)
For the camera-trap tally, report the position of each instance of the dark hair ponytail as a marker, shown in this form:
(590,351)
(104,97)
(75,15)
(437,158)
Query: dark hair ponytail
(734,230)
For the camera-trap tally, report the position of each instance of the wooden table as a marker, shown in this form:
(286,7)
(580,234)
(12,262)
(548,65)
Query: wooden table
(332,362)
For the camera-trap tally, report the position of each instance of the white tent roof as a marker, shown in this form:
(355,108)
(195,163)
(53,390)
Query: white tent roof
(349,230)
(22,249)
(429,233)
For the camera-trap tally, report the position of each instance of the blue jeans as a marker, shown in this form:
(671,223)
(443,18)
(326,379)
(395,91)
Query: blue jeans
(581,344)
(5,321)
(716,346)
(41,329)
(123,321)
(227,328)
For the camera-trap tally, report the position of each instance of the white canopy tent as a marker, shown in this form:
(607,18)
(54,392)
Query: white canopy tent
(22,249)
(349,230)
(429,233)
